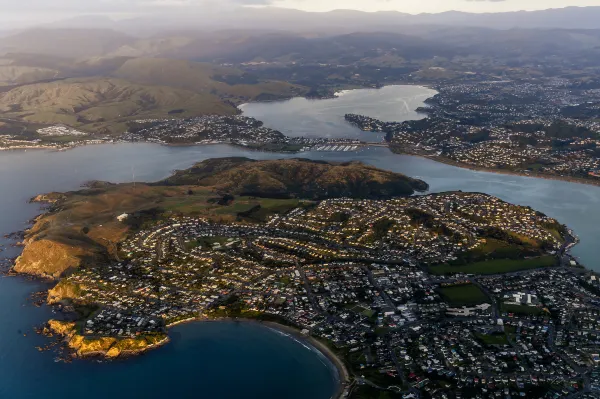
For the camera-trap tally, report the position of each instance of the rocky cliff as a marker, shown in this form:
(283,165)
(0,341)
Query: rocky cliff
(48,259)
(109,347)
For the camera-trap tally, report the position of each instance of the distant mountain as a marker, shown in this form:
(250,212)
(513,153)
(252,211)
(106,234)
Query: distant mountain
(100,52)
(202,78)
(75,43)
(381,48)
(564,18)
(343,21)
(236,46)
(521,44)
(15,75)
(336,37)
(239,47)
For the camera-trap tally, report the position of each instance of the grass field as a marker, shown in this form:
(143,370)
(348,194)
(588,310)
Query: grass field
(521,309)
(463,295)
(496,339)
(360,309)
(496,249)
(254,209)
(496,266)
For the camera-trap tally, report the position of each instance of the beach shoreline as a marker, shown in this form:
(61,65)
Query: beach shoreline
(344,378)
(343,375)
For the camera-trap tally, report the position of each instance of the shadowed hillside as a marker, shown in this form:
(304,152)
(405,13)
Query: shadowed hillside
(227,83)
(296,178)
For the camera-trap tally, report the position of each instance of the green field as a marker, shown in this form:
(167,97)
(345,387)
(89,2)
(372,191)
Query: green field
(521,309)
(463,295)
(261,209)
(495,339)
(496,266)
(497,249)
(360,309)
(254,209)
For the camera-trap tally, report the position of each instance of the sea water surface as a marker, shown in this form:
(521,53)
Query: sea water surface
(215,360)
(325,118)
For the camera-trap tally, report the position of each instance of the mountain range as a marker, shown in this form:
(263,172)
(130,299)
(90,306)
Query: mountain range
(340,21)
(102,48)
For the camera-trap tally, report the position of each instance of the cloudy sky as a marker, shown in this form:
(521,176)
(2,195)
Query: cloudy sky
(17,11)
(412,6)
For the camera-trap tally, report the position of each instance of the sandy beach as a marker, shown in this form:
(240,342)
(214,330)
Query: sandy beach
(343,374)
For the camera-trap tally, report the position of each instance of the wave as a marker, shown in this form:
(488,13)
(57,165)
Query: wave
(322,357)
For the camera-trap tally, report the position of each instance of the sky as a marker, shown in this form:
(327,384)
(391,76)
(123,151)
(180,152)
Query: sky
(434,6)
(28,11)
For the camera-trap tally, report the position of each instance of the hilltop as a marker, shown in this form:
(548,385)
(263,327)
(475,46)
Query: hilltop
(298,178)
(82,226)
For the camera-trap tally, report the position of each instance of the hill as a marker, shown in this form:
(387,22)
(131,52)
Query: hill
(15,75)
(242,46)
(380,45)
(107,92)
(226,83)
(102,104)
(297,178)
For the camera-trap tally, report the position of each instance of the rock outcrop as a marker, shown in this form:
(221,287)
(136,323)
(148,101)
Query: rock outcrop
(108,347)
(48,259)
(64,290)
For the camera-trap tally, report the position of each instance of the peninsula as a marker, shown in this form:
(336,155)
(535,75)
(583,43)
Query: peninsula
(339,251)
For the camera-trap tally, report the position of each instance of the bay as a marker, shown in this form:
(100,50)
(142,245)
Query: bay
(325,118)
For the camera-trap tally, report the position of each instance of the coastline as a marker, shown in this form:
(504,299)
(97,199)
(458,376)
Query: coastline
(343,380)
(342,371)
(446,161)
(337,94)
(322,348)
(343,375)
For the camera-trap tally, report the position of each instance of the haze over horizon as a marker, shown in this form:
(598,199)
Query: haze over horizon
(19,14)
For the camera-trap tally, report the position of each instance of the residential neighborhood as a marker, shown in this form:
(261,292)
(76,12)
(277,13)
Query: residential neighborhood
(382,283)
